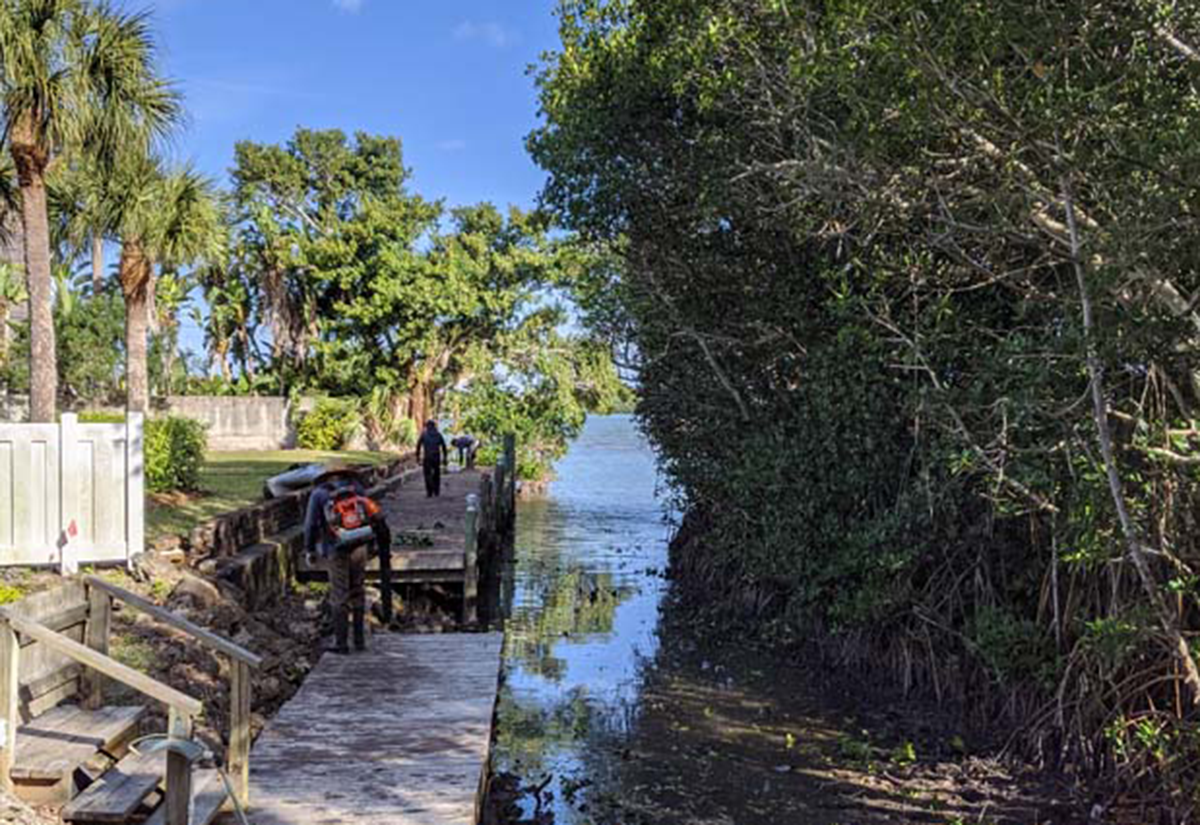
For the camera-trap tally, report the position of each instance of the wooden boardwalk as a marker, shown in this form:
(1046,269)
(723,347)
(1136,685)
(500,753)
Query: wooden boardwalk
(398,735)
(429,532)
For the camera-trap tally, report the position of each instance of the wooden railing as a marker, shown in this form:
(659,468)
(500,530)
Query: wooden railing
(182,708)
(241,661)
(489,513)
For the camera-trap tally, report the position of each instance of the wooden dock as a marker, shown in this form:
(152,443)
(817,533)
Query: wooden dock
(399,735)
(430,533)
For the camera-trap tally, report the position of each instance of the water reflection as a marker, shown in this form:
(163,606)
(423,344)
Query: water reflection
(583,599)
(618,709)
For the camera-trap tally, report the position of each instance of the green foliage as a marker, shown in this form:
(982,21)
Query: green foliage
(540,391)
(90,347)
(374,292)
(406,433)
(100,417)
(835,248)
(329,425)
(1013,648)
(174,453)
(10,593)
(904,754)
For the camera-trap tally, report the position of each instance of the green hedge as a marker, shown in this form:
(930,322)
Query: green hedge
(175,449)
(101,417)
(329,426)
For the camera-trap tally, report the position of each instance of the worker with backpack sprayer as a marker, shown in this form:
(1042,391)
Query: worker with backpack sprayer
(340,524)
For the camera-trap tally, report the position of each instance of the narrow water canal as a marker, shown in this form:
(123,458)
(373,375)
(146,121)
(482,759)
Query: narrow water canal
(582,600)
(615,708)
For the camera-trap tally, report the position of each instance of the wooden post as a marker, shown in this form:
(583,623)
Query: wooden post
(501,484)
(510,450)
(99,621)
(237,762)
(70,472)
(135,485)
(10,691)
(178,794)
(471,562)
(510,491)
(486,511)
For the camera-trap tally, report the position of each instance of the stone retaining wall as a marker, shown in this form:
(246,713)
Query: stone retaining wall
(256,548)
(238,422)
(233,422)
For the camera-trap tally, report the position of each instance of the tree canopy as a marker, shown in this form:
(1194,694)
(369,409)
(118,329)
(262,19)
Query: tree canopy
(910,289)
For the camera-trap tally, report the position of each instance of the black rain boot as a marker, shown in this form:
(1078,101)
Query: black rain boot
(360,629)
(341,630)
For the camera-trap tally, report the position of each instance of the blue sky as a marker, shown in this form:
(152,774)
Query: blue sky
(449,78)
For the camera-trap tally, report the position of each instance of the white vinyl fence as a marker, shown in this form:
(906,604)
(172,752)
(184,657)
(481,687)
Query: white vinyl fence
(71,493)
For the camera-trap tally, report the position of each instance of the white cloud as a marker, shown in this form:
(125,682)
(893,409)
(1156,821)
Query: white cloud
(351,6)
(490,32)
(452,145)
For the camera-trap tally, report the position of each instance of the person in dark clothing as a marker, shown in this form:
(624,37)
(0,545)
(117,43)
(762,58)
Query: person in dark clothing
(467,446)
(345,554)
(433,455)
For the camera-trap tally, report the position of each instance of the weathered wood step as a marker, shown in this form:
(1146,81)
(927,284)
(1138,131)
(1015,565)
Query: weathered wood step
(65,737)
(208,797)
(118,793)
(54,746)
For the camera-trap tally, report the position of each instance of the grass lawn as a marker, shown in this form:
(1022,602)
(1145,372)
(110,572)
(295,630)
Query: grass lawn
(231,481)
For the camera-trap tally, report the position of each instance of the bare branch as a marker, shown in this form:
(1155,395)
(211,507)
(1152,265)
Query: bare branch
(1135,548)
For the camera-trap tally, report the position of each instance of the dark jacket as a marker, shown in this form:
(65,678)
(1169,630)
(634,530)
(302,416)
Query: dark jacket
(431,447)
(317,536)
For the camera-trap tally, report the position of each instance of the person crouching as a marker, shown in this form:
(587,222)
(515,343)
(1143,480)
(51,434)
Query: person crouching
(340,524)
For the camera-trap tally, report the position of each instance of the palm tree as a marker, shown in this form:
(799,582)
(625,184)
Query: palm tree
(171,293)
(229,325)
(169,219)
(73,74)
(12,292)
(79,215)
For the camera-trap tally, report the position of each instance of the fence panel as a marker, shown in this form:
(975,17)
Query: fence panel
(71,493)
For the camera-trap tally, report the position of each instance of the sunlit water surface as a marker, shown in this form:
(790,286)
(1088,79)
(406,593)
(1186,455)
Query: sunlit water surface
(582,597)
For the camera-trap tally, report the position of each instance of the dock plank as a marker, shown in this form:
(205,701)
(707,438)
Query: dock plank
(116,795)
(60,740)
(398,735)
(208,798)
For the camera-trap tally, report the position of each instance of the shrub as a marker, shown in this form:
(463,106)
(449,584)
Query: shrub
(328,426)
(174,454)
(101,417)
(10,593)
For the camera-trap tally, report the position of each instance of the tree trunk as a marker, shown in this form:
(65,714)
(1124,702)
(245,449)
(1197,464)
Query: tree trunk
(97,264)
(136,274)
(220,359)
(418,403)
(30,163)
(247,355)
(169,338)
